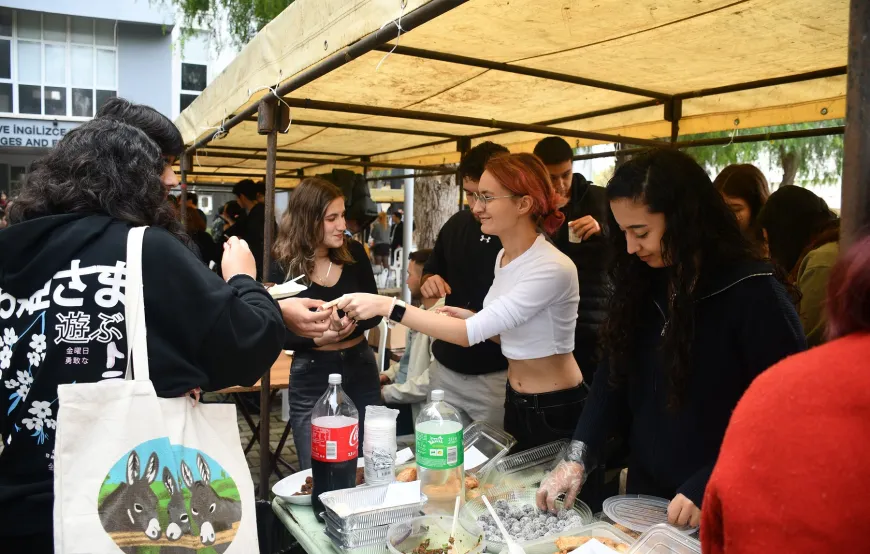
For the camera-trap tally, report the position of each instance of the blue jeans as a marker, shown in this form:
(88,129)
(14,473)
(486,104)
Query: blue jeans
(309,379)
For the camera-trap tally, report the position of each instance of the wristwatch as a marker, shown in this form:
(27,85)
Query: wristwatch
(398,311)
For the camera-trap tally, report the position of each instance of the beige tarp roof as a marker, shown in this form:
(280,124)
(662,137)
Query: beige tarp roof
(665,46)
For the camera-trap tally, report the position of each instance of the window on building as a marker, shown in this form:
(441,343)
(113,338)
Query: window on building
(16,176)
(194,68)
(56,65)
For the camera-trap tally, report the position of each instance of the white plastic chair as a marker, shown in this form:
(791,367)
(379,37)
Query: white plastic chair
(382,343)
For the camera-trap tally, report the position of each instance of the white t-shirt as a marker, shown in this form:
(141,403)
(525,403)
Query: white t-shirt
(532,304)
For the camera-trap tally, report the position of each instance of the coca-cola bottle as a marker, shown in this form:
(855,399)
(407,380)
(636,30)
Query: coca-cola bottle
(334,442)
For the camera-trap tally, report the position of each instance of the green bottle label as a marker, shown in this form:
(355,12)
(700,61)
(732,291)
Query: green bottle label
(443,451)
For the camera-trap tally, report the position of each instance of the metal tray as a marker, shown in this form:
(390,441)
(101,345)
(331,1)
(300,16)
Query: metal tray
(475,508)
(527,468)
(379,548)
(363,512)
(491,442)
(358,537)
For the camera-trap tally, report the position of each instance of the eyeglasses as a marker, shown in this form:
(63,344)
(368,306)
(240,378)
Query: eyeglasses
(483,199)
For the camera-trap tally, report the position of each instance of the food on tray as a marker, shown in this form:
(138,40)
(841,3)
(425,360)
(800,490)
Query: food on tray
(567,544)
(471,482)
(407,475)
(306,489)
(527,522)
(360,476)
(627,531)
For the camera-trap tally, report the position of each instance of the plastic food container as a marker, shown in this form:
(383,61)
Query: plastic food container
(639,512)
(402,538)
(353,509)
(491,442)
(599,530)
(472,510)
(527,468)
(664,539)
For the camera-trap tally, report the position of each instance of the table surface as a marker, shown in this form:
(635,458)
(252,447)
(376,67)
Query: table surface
(279,377)
(302,524)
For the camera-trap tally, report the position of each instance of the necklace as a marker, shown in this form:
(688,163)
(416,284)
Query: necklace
(323,281)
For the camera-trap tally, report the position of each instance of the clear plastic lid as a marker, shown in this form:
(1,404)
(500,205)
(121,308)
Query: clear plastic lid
(639,512)
(437,395)
(664,539)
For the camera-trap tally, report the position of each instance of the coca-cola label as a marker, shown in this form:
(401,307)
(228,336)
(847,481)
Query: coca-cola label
(334,444)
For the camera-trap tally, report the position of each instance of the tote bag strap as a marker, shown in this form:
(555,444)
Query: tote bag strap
(134,309)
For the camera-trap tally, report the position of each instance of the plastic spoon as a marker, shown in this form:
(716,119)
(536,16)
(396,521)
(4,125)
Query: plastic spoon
(451,540)
(513,547)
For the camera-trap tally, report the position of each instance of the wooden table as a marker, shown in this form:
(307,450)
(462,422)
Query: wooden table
(279,379)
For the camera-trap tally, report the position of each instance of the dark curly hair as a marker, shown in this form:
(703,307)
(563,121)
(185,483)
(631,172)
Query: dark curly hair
(157,126)
(103,167)
(700,232)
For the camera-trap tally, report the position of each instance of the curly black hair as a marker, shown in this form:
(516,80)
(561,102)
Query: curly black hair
(700,231)
(103,167)
(157,126)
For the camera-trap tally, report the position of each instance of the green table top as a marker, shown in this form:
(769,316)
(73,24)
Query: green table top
(302,524)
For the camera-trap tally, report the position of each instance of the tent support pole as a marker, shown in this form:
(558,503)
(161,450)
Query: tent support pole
(270,119)
(186,165)
(856,151)
(408,237)
(463,145)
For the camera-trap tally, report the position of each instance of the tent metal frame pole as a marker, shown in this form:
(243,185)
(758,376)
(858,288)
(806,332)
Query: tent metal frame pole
(271,116)
(722,141)
(762,83)
(410,21)
(577,117)
(416,115)
(463,145)
(400,177)
(251,150)
(519,70)
(856,151)
(319,162)
(372,128)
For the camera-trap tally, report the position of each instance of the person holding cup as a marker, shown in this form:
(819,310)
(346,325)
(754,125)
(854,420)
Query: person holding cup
(582,240)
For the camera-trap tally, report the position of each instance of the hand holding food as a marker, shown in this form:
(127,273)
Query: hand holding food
(237,259)
(299,318)
(566,478)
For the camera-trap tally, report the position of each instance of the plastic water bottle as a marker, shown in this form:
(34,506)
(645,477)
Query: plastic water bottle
(440,454)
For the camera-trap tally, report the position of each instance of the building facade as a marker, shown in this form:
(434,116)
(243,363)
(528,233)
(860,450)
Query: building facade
(60,60)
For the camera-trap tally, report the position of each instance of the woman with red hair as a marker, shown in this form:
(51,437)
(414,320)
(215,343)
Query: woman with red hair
(793,464)
(531,308)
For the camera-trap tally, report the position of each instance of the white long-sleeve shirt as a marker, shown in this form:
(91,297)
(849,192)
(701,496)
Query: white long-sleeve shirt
(532,304)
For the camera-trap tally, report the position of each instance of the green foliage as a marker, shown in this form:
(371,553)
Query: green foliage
(244,17)
(812,157)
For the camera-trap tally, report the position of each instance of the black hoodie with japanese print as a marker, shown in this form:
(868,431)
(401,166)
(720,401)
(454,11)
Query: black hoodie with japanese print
(62,321)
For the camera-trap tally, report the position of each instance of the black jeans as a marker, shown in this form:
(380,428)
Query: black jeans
(536,419)
(309,379)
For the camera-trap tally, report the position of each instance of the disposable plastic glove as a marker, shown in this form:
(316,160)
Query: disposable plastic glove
(567,477)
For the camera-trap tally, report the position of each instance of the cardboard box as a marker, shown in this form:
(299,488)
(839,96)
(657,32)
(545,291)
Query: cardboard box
(396,337)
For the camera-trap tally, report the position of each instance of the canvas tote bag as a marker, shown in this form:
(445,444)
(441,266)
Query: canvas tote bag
(136,471)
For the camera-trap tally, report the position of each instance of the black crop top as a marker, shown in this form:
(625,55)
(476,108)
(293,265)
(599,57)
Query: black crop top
(355,277)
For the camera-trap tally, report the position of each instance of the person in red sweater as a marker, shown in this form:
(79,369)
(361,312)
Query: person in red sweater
(794,464)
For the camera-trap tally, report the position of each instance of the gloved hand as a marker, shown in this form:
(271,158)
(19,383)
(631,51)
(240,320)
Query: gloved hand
(567,477)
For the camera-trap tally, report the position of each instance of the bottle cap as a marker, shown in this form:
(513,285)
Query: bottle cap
(437,395)
(335,378)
